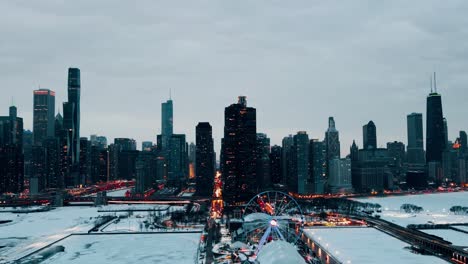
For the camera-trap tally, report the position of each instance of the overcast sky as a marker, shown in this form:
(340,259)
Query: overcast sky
(298,62)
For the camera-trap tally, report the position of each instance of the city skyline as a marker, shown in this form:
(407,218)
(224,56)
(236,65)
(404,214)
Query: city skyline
(295,69)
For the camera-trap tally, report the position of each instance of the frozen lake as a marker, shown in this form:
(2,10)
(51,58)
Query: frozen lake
(135,248)
(457,238)
(436,208)
(366,246)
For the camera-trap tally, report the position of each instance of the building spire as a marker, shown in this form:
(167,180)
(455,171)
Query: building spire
(170,93)
(435,83)
(430,79)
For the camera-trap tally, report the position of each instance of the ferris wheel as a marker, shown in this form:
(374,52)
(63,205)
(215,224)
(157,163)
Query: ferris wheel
(272,215)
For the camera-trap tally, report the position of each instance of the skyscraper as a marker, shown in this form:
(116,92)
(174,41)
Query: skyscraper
(463,142)
(238,152)
(332,144)
(11,153)
(339,180)
(298,182)
(263,160)
(435,134)
(317,165)
(415,147)
(369,134)
(332,140)
(287,144)
(275,164)
(177,160)
(205,159)
(43,115)
(167,125)
(74,91)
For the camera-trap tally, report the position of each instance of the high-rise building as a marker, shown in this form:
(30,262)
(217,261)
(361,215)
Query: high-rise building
(85,162)
(275,164)
(299,180)
(192,149)
(317,165)
(369,133)
(167,124)
(371,171)
(11,152)
(396,151)
(332,140)
(205,159)
(146,145)
(435,131)
(27,151)
(125,143)
(263,160)
(286,160)
(415,149)
(238,152)
(74,93)
(177,160)
(339,180)
(463,143)
(43,115)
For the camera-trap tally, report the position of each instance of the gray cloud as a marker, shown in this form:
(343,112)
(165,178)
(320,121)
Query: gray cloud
(297,61)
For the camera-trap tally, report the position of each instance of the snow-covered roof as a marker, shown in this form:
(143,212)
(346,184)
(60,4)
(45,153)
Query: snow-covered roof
(279,252)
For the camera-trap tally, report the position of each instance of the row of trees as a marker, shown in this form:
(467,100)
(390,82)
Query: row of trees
(411,208)
(459,210)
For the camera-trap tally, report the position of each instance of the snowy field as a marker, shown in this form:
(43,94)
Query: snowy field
(120,249)
(457,238)
(436,208)
(366,246)
(31,231)
(464,228)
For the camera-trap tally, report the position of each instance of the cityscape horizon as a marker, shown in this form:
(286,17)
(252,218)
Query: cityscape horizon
(246,132)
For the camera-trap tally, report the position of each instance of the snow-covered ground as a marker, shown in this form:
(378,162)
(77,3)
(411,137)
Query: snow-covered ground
(120,249)
(436,208)
(366,246)
(28,232)
(464,228)
(457,238)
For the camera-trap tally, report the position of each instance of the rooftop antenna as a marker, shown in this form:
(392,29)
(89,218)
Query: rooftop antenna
(435,83)
(170,93)
(12,101)
(430,79)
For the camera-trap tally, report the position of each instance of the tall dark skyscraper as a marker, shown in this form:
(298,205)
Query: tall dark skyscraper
(205,159)
(435,134)
(299,182)
(238,152)
(74,92)
(286,150)
(167,125)
(44,115)
(11,152)
(275,164)
(317,165)
(263,160)
(369,133)
(415,147)
(463,142)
